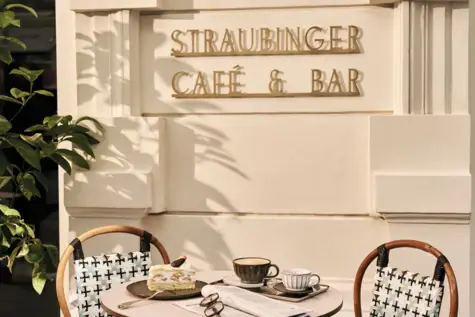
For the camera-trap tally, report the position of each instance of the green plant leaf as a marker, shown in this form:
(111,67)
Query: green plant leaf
(52,121)
(29,230)
(27,184)
(92,140)
(11,228)
(5,242)
(16,22)
(5,126)
(7,211)
(11,169)
(14,41)
(47,148)
(6,18)
(80,129)
(5,56)
(10,99)
(30,155)
(22,6)
(24,250)
(4,180)
(41,179)
(61,161)
(38,278)
(18,94)
(32,139)
(66,129)
(19,231)
(82,143)
(93,120)
(36,254)
(29,75)
(84,135)
(60,130)
(52,253)
(75,158)
(19,72)
(12,257)
(36,127)
(32,74)
(44,93)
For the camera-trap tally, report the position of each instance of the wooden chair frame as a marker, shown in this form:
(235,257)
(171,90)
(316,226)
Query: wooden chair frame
(63,304)
(414,244)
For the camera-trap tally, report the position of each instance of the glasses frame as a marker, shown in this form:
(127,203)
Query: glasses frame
(210,304)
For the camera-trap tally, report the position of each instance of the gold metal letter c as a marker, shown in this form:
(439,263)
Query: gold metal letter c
(175,85)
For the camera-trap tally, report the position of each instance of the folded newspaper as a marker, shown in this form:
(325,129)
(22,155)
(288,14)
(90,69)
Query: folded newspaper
(242,303)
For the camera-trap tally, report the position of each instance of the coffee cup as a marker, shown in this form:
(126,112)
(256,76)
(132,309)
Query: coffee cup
(253,270)
(299,279)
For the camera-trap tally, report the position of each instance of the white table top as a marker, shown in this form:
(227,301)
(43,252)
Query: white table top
(323,305)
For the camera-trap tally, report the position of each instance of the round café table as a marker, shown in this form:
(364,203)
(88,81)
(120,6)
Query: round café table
(323,305)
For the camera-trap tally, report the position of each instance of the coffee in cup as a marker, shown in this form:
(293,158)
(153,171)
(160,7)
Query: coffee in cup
(253,270)
(299,279)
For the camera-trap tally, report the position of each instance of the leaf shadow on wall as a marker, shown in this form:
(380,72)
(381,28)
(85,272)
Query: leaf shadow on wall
(192,142)
(199,143)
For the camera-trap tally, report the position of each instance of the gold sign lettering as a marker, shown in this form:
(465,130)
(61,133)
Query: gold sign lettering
(227,84)
(316,40)
(266,41)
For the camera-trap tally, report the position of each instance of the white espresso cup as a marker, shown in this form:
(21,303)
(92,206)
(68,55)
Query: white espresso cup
(299,279)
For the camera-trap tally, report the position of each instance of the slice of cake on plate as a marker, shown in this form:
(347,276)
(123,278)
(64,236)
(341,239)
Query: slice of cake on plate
(170,277)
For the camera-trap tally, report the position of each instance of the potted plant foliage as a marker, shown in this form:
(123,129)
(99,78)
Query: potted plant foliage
(34,145)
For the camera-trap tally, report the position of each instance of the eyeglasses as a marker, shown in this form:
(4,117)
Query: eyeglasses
(214,307)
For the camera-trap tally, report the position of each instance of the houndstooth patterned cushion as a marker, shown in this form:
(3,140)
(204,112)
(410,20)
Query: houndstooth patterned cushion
(96,274)
(402,294)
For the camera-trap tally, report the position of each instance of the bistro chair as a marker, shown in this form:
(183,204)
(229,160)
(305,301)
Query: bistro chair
(398,293)
(95,274)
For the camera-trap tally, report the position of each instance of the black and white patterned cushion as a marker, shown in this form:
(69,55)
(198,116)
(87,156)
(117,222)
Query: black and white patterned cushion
(405,294)
(96,274)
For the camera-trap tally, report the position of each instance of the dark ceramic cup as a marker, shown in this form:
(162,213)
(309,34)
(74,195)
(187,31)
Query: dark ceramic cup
(253,270)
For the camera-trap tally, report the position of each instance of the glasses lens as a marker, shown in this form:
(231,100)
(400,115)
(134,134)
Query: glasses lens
(214,309)
(208,300)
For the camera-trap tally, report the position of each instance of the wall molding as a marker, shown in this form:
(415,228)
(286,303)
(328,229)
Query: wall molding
(401,58)
(108,194)
(429,198)
(143,5)
(379,2)
(166,5)
(435,78)
(107,46)
(425,218)
(110,5)
(429,54)
(122,213)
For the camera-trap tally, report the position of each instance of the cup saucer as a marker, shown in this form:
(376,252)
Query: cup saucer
(236,281)
(281,288)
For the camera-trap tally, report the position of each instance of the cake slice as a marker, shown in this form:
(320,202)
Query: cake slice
(168,278)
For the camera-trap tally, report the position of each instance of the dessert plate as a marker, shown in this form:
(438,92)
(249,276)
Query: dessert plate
(236,281)
(140,289)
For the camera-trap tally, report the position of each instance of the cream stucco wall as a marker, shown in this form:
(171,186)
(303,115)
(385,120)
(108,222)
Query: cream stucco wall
(314,182)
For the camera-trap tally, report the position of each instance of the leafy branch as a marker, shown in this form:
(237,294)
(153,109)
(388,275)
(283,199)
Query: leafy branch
(35,144)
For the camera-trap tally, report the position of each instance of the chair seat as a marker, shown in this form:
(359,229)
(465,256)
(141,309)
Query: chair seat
(95,274)
(399,293)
